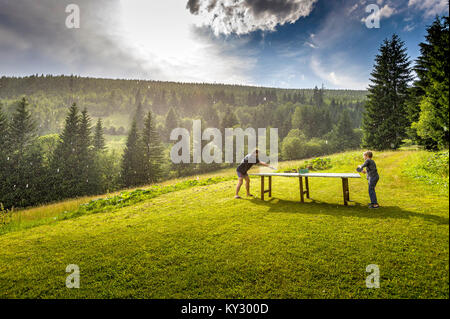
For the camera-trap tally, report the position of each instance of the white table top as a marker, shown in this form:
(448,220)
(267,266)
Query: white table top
(329,175)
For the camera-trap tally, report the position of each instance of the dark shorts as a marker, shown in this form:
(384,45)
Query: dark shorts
(240,175)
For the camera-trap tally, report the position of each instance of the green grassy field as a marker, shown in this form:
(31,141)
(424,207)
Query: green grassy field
(199,242)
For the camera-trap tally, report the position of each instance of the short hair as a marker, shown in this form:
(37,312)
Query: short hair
(369,154)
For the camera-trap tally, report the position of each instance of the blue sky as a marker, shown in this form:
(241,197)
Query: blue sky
(282,43)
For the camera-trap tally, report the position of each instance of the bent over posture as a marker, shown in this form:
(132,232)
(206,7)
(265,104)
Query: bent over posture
(246,163)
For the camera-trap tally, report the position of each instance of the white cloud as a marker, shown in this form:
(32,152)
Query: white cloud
(337,78)
(245,16)
(384,12)
(311,45)
(350,11)
(409,27)
(430,7)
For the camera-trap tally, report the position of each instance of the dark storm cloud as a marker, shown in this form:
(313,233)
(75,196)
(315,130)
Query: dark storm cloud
(35,39)
(244,16)
(193,6)
(278,7)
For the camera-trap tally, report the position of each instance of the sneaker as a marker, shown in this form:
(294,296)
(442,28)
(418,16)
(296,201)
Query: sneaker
(374,207)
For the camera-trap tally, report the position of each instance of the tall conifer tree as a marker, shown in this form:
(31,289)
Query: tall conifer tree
(152,150)
(99,139)
(385,119)
(132,173)
(64,164)
(429,106)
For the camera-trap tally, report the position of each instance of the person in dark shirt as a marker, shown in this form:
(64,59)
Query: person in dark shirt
(246,163)
(372,177)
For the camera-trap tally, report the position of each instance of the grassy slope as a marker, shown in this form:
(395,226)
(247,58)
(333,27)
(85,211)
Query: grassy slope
(201,243)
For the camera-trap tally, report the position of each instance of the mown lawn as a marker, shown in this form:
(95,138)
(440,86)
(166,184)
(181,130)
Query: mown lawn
(202,243)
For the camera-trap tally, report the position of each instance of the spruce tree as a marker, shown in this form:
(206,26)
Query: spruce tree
(132,173)
(152,150)
(25,180)
(172,121)
(139,116)
(3,131)
(229,119)
(88,176)
(211,116)
(22,129)
(99,139)
(385,119)
(429,107)
(64,163)
(4,157)
(343,137)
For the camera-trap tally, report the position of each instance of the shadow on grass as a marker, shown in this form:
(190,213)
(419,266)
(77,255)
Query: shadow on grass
(355,209)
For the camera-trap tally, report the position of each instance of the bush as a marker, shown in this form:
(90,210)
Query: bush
(292,145)
(431,168)
(295,146)
(437,164)
(318,164)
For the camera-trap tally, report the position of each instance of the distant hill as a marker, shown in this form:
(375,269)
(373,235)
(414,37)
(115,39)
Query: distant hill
(116,100)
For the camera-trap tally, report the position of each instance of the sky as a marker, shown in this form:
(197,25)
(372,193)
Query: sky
(272,43)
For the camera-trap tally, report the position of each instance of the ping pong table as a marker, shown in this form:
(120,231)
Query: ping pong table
(304,189)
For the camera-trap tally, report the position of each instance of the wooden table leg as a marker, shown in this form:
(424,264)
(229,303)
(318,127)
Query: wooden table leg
(302,198)
(307,186)
(262,187)
(345,190)
(270,186)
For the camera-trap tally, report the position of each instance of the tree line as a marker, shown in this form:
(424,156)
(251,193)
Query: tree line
(110,100)
(74,163)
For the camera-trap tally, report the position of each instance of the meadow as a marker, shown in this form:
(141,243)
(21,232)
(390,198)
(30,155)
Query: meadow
(189,238)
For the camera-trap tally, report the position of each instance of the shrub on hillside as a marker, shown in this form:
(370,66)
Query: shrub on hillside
(296,146)
(431,168)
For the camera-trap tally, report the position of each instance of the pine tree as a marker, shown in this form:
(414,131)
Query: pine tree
(64,163)
(4,157)
(152,150)
(3,131)
(429,105)
(88,176)
(25,177)
(343,136)
(139,116)
(211,116)
(385,119)
(172,122)
(132,173)
(229,119)
(318,96)
(99,139)
(22,129)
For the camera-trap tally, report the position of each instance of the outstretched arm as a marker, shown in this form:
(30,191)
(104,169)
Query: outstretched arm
(266,165)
